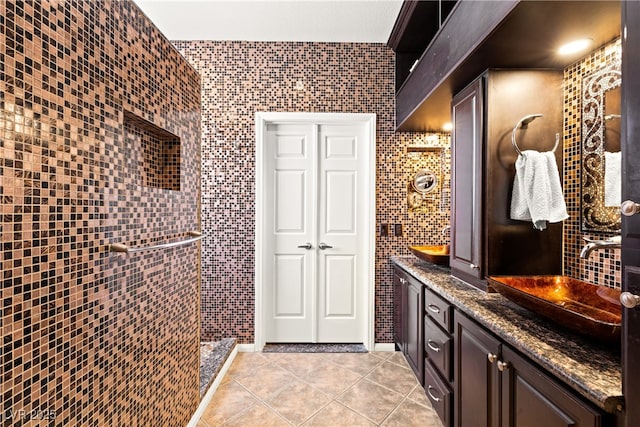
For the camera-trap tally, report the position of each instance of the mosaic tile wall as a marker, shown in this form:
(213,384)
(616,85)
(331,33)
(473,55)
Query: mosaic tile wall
(91,338)
(602,267)
(241,78)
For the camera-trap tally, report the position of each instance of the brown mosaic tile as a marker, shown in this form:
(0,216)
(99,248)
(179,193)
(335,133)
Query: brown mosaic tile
(242,78)
(92,338)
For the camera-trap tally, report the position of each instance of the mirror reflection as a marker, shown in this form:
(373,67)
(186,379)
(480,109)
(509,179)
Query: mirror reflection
(601,158)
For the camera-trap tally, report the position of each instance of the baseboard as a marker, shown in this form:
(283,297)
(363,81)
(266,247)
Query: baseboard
(246,348)
(384,346)
(212,388)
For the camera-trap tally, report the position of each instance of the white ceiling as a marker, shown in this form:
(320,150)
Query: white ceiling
(268,20)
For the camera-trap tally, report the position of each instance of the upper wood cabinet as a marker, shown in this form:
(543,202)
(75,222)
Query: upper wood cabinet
(477,35)
(484,240)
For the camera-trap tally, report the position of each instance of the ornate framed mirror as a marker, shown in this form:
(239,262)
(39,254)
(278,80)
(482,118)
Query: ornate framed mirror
(601,180)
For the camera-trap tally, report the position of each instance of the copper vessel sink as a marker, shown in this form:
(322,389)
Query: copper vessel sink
(588,309)
(434,254)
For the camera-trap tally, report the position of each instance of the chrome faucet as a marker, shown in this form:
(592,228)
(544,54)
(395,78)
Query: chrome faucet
(614,242)
(445,229)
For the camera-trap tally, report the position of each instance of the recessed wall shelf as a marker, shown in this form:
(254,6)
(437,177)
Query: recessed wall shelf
(154,153)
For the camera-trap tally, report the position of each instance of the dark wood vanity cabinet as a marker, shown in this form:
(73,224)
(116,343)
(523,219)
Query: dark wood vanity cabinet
(496,387)
(484,240)
(408,319)
(438,351)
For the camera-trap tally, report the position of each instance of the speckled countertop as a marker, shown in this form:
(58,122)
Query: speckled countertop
(592,370)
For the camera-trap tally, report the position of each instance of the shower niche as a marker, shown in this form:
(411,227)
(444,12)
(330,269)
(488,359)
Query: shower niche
(153,154)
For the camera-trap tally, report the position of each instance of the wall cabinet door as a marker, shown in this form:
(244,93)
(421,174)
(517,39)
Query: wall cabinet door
(415,335)
(466,193)
(476,379)
(530,398)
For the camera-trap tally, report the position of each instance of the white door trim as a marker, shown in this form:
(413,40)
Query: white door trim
(262,120)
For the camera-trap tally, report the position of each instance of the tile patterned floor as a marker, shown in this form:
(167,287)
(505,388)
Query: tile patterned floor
(319,389)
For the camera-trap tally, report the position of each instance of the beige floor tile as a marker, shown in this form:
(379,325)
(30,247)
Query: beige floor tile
(395,377)
(266,380)
(228,401)
(371,400)
(383,354)
(336,415)
(302,364)
(202,424)
(331,379)
(257,416)
(360,363)
(419,396)
(410,414)
(298,401)
(245,363)
(398,359)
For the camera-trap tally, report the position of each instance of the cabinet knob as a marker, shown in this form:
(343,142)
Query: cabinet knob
(430,393)
(492,357)
(629,300)
(475,267)
(629,208)
(503,366)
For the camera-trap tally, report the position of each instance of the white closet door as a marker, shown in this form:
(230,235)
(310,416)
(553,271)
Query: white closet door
(314,287)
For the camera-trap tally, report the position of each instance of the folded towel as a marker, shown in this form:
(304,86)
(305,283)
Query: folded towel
(612,178)
(537,193)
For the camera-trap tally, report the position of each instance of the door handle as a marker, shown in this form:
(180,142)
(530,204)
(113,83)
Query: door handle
(324,246)
(306,246)
(629,300)
(629,208)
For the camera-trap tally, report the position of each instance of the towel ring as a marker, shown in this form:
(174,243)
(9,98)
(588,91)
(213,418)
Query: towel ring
(522,123)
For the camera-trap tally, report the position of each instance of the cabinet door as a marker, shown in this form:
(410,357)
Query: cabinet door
(476,378)
(399,310)
(531,399)
(415,337)
(466,193)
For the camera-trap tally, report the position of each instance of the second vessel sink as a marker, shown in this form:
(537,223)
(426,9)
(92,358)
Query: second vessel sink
(591,310)
(434,254)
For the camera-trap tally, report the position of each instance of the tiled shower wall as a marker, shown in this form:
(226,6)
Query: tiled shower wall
(603,267)
(242,78)
(92,338)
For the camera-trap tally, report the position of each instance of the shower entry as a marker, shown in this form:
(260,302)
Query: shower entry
(315,216)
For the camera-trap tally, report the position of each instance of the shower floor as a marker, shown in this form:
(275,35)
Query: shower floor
(212,356)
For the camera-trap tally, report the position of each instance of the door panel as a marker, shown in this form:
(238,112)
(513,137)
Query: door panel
(289,286)
(341,172)
(289,203)
(290,188)
(339,292)
(341,202)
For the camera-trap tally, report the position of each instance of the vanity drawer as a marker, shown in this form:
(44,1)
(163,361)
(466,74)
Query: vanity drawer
(438,309)
(437,347)
(438,394)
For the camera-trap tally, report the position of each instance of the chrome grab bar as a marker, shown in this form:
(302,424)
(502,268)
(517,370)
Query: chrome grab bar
(121,247)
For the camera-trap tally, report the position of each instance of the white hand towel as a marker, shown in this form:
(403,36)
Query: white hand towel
(537,194)
(612,178)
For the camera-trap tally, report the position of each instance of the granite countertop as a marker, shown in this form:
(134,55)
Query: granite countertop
(592,370)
